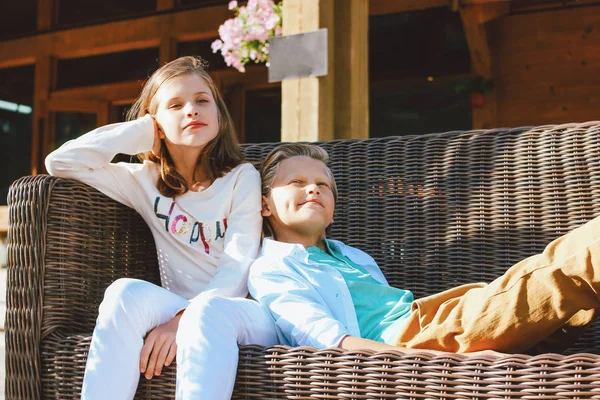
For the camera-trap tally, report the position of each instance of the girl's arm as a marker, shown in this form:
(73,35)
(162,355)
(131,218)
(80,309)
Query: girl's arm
(242,237)
(88,158)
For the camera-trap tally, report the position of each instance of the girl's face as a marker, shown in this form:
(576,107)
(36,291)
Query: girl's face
(186,112)
(301,200)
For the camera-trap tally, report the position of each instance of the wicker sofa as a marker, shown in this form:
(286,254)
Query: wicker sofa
(434,210)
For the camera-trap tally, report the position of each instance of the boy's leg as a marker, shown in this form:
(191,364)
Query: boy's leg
(207,344)
(530,303)
(130,309)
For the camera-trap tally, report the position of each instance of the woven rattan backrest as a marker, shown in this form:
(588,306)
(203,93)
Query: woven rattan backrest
(440,210)
(84,229)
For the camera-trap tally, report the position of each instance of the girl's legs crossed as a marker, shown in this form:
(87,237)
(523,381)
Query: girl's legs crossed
(130,309)
(207,344)
(535,299)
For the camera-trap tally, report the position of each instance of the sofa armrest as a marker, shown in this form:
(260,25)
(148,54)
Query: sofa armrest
(66,243)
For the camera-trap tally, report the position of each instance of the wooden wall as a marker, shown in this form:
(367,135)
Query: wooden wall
(546,66)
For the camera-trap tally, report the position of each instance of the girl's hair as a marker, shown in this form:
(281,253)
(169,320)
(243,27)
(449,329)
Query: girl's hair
(269,167)
(218,157)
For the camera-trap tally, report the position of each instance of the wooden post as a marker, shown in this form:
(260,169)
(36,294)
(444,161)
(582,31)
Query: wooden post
(335,105)
(45,76)
(474,17)
(307,103)
(46,12)
(351,101)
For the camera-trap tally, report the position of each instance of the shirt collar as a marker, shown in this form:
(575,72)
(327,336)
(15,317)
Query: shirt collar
(273,248)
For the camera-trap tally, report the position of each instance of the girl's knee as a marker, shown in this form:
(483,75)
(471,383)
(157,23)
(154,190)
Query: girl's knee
(204,308)
(204,313)
(122,294)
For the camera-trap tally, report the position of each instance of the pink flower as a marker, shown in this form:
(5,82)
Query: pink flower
(216,45)
(246,37)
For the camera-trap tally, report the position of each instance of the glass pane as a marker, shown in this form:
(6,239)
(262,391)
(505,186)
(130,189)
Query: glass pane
(437,44)
(199,3)
(18,18)
(413,82)
(71,125)
(417,106)
(202,48)
(16,123)
(263,115)
(116,67)
(77,12)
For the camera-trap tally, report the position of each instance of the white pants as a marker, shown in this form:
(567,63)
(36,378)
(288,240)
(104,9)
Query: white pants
(207,340)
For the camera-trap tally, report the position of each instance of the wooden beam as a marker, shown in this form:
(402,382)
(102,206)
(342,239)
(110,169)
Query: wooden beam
(481,64)
(103,113)
(163,5)
(46,10)
(168,44)
(114,36)
(45,78)
(78,105)
(379,7)
(487,12)
(351,101)
(116,93)
(307,103)
(474,2)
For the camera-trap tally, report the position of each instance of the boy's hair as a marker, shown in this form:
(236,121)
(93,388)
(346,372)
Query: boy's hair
(218,157)
(270,165)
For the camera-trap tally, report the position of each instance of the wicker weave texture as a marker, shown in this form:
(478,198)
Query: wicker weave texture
(435,211)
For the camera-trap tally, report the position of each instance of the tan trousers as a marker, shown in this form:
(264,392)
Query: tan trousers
(543,303)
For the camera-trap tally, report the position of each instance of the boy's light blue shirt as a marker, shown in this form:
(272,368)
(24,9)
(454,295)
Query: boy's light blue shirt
(380,309)
(310,302)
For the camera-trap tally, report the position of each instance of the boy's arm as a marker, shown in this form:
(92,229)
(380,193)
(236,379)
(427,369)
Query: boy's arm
(300,313)
(356,343)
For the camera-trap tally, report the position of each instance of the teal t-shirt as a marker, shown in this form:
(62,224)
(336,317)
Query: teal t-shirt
(380,309)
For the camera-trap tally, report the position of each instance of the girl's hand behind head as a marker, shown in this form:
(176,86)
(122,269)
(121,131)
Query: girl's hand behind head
(157,138)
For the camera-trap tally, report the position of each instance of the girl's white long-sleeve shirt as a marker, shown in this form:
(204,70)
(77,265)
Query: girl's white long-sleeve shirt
(205,240)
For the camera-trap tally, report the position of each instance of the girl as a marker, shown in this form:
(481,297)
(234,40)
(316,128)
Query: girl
(323,293)
(202,204)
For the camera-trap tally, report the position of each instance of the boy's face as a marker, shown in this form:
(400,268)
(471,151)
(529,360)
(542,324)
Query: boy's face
(301,201)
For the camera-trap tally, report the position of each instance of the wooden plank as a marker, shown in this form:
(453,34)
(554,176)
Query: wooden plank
(380,7)
(120,92)
(75,105)
(474,2)
(114,36)
(163,5)
(519,6)
(488,12)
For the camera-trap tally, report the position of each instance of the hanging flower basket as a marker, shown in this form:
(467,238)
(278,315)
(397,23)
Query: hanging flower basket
(245,38)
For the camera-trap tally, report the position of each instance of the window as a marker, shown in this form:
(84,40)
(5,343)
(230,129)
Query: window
(416,60)
(115,67)
(16,120)
(18,18)
(75,12)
